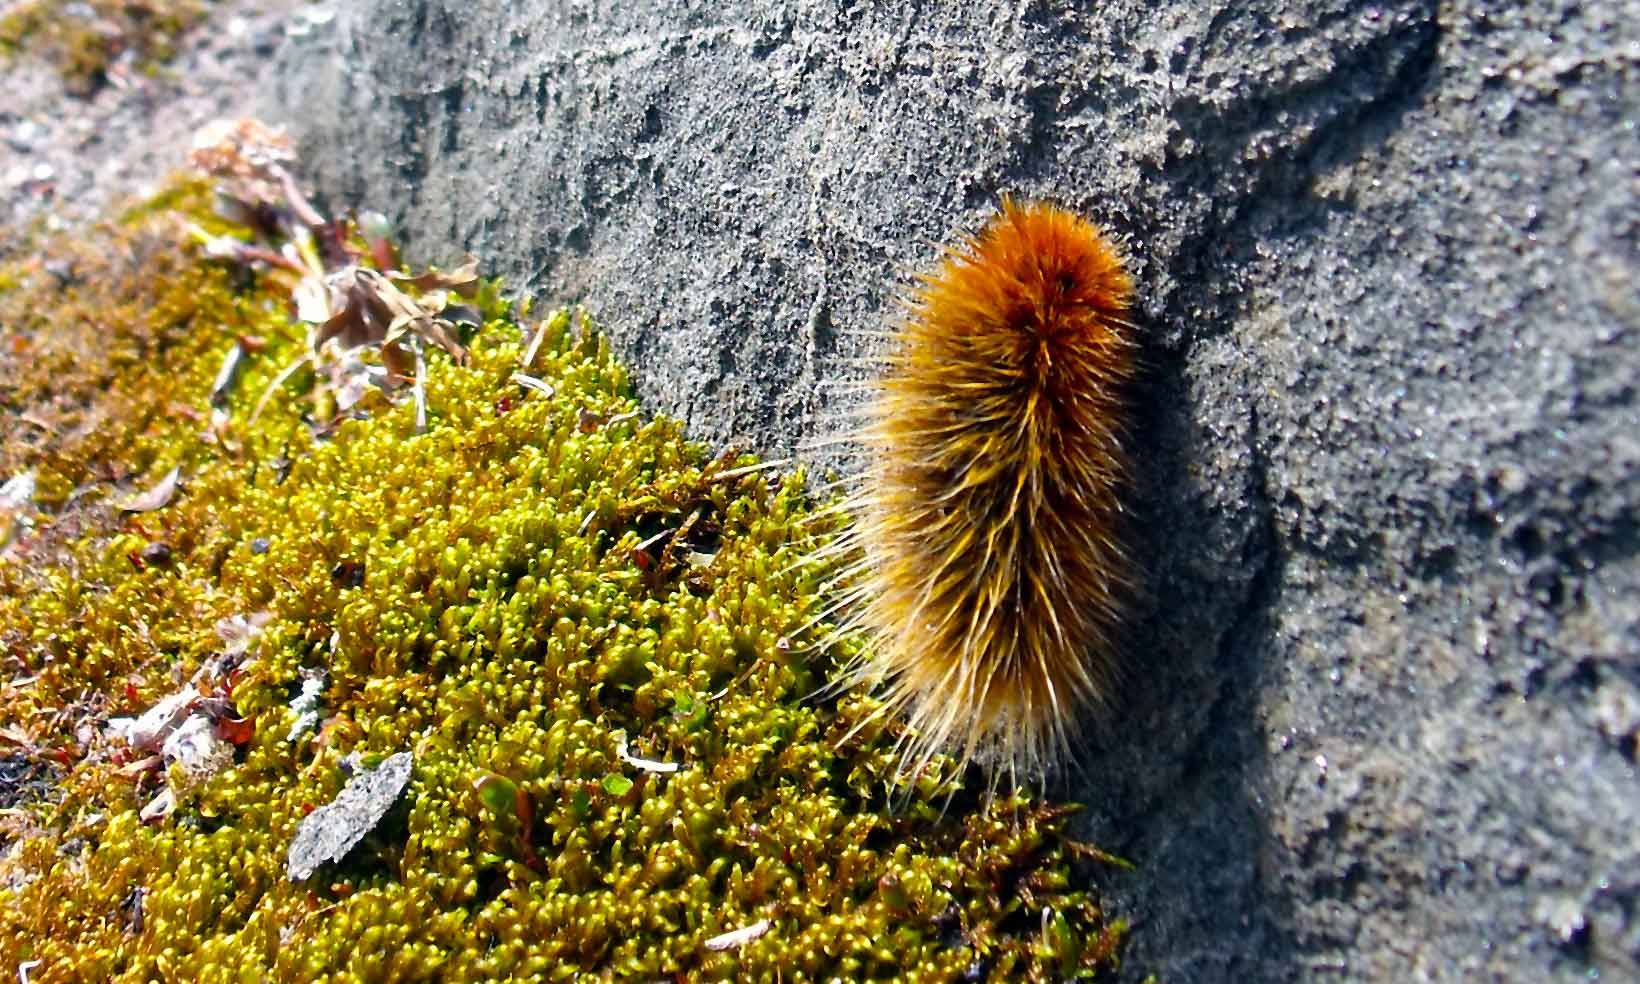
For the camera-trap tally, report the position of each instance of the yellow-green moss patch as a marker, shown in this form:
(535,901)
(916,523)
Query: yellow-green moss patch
(548,597)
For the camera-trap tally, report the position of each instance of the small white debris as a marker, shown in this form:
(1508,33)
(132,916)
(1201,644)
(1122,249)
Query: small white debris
(329,832)
(17,493)
(648,765)
(227,375)
(1563,916)
(156,724)
(196,747)
(534,345)
(306,703)
(156,497)
(312,298)
(159,807)
(15,497)
(239,632)
(530,382)
(736,938)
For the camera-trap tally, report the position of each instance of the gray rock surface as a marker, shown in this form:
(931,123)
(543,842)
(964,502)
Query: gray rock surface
(1381,718)
(66,159)
(329,832)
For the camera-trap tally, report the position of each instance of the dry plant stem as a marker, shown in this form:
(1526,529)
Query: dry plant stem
(420,388)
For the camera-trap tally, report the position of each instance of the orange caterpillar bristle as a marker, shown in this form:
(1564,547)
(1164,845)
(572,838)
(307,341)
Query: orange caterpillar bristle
(988,571)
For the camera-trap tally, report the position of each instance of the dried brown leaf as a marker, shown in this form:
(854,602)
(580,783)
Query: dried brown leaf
(463,279)
(443,334)
(463,314)
(159,807)
(246,155)
(156,724)
(312,299)
(156,497)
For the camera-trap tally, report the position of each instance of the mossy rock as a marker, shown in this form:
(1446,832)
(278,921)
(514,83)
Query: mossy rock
(592,634)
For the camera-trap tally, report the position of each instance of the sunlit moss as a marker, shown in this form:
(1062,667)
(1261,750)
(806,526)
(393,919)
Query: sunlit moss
(510,595)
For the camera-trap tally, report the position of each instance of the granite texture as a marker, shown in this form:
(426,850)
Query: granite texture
(1381,714)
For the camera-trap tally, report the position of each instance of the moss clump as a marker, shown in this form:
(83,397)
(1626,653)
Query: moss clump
(104,340)
(83,39)
(547,597)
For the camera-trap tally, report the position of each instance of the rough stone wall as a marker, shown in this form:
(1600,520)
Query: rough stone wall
(1381,717)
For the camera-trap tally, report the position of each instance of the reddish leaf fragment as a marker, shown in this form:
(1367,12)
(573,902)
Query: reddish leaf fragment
(383,253)
(238,731)
(347,574)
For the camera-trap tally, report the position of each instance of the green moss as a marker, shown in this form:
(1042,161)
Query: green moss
(540,596)
(83,39)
